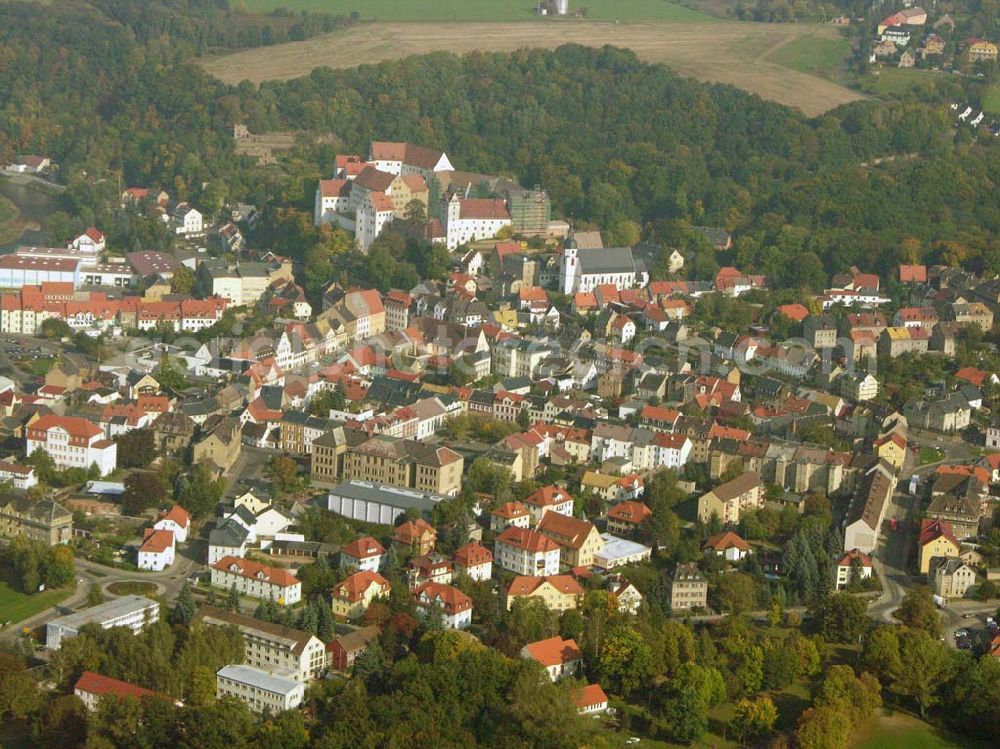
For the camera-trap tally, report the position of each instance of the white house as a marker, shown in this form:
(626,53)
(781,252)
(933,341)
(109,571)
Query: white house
(187,220)
(526,552)
(475,561)
(846,564)
(727,545)
(257,580)
(364,554)
(20,477)
(72,442)
(548,499)
(177,521)
(454,605)
(228,539)
(91,242)
(469,219)
(157,550)
(560,658)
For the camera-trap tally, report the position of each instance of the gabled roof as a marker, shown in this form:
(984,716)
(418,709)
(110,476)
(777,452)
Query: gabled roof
(254,570)
(527,540)
(554,651)
(931,530)
(365,547)
(547,496)
(726,540)
(99,685)
(73,425)
(570,531)
(473,554)
(526,585)
(354,586)
(630,511)
(156,541)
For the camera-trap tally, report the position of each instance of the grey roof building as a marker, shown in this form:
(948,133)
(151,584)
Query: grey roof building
(378,503)
(133,612)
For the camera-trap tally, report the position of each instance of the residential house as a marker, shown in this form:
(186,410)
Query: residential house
(579,539)
(40,520)
(415,536)
(688,588)
(454,606)
(728,500)
(526,552)
(344,650)
(475,561)
(867,509)
(352,597)
(263,692)
(625,518)
(727,545)
(177,521)
(257,580)
(951,577)
(557,592)
(548,499)
(560,658)
(364,554)
(853,563)
(72,442)
(157,550)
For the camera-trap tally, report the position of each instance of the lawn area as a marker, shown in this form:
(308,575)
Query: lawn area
(889,731)
(484,10)
(930,455)
(812,54)
(16,606)
(132,588)
(991,99)
(10,227)
(892,81)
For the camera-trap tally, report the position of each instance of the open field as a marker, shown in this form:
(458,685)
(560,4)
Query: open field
(483,10)
(891,731)
(820,55)
(741,54)
(991,99)
(894,81)
(16,606)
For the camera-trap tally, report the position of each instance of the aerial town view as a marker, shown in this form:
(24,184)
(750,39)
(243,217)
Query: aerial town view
(440,375)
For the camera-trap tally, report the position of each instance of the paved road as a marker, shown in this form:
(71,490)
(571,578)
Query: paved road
(169,583)
(891,561)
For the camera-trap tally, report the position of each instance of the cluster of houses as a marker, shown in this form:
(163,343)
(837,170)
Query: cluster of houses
(386,400)
(909,39)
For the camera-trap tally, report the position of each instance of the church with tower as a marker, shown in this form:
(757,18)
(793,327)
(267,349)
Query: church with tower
(584,269)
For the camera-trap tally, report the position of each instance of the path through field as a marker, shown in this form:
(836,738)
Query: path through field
(724,52)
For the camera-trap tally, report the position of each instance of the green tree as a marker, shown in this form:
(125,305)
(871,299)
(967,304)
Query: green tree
(736,592)
(917,610)
(625,662)
(184,607)
(182,282)
(143,490)
(686,699)
(840,618)
(925,670)
(753,718)
(136,448)
(824,727)
(232,599)
(284,471)
(19,693)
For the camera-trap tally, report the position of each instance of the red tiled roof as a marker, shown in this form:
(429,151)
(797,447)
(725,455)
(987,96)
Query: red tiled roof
(511,510)
(630,511)
(483,208)
(363,548)
(353,587)
(931,530)
(527,540)
(554,651)
(547,496)
(473,554)
(797,312)
(590,695)
(156,541)
(849,557)
(726,540)
(73,425)
(246,568)
(178,514)
(102,685)
(526,585)
(450,598)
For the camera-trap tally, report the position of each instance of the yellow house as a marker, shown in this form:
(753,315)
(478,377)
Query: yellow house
(936,540)
(506,318)
(353,596)
(980,49)
(579,540)
(892,449)
(558,592)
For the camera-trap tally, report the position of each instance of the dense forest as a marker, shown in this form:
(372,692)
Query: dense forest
(109,89)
